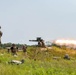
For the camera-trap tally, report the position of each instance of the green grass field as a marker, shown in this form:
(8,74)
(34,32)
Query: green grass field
(39,62)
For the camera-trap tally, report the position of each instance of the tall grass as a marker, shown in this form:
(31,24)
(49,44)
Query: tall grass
(39,62)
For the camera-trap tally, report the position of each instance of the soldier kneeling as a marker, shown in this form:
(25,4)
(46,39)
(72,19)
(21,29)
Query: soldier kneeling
(67,57)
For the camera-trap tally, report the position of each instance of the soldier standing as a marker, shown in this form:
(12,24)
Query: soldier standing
(0,35)
(13,49)
(24,48)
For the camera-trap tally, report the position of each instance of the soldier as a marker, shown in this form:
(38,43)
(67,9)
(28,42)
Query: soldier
(13,49)
(67,57)
(0,35)
(24,48)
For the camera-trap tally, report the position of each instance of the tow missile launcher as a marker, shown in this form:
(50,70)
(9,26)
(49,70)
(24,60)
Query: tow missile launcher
(40,42)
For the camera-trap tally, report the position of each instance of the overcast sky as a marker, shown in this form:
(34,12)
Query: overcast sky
(22,20)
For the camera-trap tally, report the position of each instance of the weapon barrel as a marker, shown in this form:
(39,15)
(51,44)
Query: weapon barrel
(33,40)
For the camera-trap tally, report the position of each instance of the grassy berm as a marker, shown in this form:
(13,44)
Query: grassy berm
(39,62)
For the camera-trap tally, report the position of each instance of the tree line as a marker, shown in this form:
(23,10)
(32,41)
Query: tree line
(9,45)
